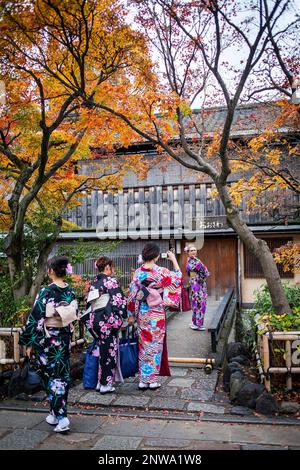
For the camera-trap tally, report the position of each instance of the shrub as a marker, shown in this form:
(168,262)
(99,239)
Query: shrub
(263,302)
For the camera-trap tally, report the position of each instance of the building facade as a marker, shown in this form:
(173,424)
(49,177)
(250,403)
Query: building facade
(175,206)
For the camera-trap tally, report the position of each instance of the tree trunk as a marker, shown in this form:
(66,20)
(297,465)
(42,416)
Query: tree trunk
(41,270)
(260,250)
(13,249)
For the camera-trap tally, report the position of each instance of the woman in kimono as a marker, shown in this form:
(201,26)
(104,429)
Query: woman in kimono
(153,359)
(198,273)
(106,321)
(51,346)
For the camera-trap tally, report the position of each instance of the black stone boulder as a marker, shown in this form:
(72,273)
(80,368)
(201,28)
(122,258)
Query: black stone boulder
(248,394)
(230,369)
(237,381)
(244,360)
(266,404)
(236,349)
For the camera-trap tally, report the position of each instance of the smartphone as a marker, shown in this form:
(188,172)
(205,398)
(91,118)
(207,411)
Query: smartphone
(164,255)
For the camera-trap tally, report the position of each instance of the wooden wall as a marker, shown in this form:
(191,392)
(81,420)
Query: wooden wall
(220,257)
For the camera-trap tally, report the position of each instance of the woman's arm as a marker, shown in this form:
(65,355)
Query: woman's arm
(172,257)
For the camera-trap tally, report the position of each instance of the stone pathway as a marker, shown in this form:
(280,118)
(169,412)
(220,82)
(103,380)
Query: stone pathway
(185,342)
(185,390)
(24,430)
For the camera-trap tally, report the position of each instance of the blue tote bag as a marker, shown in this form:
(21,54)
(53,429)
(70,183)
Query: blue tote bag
(91,365)
(129,355)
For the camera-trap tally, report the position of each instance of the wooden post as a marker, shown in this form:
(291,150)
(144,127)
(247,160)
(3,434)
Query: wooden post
(288,360)
(16,347)
(266,362)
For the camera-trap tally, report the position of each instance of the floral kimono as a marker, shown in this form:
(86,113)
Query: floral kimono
(153,359)
(51,351)
(105,324)
(198,273)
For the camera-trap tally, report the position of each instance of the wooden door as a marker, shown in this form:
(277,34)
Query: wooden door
(220,257)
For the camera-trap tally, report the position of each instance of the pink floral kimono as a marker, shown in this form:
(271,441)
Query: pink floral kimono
(153,358)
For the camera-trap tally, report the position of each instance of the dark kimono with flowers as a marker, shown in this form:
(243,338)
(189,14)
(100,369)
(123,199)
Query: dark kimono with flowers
(108,324)
(198,274)
(52,352)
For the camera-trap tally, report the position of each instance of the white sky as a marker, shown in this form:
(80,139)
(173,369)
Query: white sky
(234,56)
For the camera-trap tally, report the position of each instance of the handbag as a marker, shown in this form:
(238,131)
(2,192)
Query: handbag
(24,380)
(129,354)
(91,366)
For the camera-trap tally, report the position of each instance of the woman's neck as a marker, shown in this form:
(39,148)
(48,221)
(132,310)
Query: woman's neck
(59,282)
(149,264)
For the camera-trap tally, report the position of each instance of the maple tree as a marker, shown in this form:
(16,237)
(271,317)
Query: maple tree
(55,57)
(268,169)
(221,53)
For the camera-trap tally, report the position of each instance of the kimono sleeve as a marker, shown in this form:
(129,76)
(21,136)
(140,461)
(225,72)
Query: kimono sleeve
(170,278)
(118,299)
(131,302)
(201,269)
(33,332)
(172,288)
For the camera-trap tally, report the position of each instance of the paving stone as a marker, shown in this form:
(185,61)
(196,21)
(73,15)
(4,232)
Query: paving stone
(77,437)
(132,401)
(39,396)
(169,443)
(195,394)
(214,445)
(75,395)
(181,382)
(22,420)
(78,388)
(82,424)
(194,406)
(130,427)
(199,374)
(202,431)
(164,380)
(58,441)
(261,447)
(95,398)
(117,443)
(129,388)
(178,372)
(22,439)
(3,431)
(241,410)
(165,391)
(276,435)
(167,404)
(130,379)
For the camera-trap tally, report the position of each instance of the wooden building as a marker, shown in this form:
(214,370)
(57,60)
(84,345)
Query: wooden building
(174,206)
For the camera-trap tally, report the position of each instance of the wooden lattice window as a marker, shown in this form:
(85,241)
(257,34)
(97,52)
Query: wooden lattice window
(252,267)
